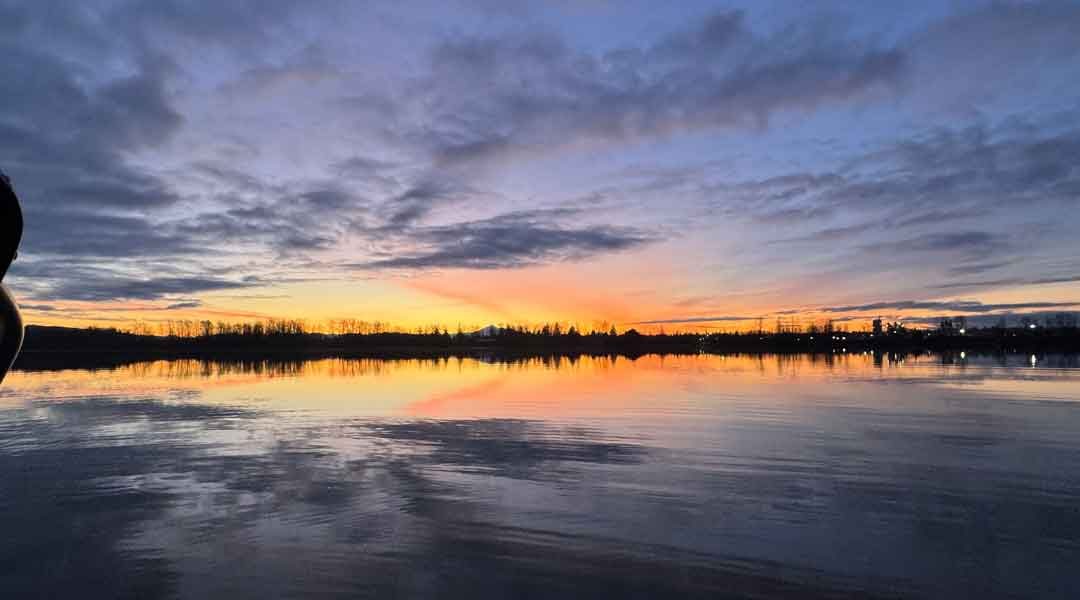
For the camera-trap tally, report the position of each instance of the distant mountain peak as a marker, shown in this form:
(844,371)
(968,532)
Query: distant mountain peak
(489,331)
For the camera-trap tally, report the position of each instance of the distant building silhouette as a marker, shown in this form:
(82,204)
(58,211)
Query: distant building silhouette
(877,327)
(954,326)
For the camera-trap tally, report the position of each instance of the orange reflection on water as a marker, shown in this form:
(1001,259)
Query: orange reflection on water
(539,387)
(348,385)
(559,388)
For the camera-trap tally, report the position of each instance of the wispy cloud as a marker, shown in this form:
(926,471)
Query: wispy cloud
(534,93)
(687,320)
(1011,281)
(508,241)
(952,306)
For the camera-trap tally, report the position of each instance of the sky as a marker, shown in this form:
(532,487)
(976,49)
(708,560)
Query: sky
(688,165)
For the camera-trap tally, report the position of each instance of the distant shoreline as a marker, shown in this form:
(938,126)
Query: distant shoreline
(50,348)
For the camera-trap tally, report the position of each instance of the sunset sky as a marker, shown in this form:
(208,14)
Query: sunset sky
(690,164)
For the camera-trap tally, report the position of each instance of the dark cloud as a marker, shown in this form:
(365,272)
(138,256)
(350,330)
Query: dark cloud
(417,201)
(65,142)
(241,23)
(951,306)
(114,287)
(62,279)
(1010,318)
(793,214)
(68,130)
(962,240)
(77,109)
(711,39)
(327,199)
(509,241)
(996,49)
(185,304)
(833,233)
(964,243)
(1009,164)
(934,217)
(1012,176)
(287,222)
(976,268)
(496,97)
(39,307)
(708,319)
(962,306)
(1009,281)
(84,233)
(363,167)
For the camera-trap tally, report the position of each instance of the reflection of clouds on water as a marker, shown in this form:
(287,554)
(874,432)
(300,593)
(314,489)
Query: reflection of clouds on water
(171,516)
(63,532)
(842,488)
(83,489)
(94,410)
(507,447)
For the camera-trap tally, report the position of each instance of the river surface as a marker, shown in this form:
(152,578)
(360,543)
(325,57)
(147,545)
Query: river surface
(660,477)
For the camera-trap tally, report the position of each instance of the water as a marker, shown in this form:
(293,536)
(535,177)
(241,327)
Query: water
(696,476)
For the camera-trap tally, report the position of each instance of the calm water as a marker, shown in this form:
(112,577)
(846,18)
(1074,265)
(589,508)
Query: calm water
(661,477)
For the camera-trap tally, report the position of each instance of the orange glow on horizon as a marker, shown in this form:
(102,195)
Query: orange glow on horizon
(591,296)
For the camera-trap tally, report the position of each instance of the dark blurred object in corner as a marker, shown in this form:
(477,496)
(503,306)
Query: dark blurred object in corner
(11,227)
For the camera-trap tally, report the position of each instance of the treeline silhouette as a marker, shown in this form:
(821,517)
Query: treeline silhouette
(276,336)
(377,334)
(284,337)
(62,347)
(343,327)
